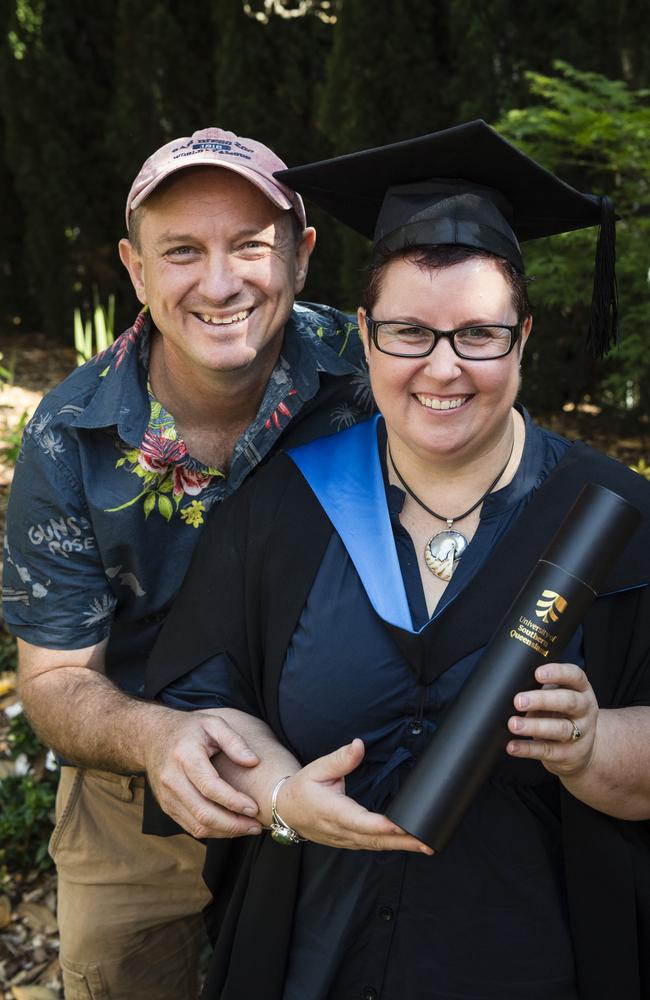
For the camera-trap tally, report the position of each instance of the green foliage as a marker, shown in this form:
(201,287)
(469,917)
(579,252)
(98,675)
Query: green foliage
(55,87)
(595,133)
(8,657)
(26,808)
(22,739)
(97,332)
(88,92)
(26,800)
(642,467)
(7,374)
(11,441)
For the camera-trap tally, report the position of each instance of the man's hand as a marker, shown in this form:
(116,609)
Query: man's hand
(78,712)
(187,785)
(314,803)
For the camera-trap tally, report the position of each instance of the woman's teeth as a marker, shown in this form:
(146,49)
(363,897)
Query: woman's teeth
(440,404)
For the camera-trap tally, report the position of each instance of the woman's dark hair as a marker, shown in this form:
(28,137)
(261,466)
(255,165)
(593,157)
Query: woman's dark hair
(437,257)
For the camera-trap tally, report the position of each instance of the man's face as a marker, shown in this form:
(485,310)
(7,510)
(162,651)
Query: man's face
(218,265)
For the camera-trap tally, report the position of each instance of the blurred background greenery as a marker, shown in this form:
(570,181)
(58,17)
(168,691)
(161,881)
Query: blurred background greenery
(87,91)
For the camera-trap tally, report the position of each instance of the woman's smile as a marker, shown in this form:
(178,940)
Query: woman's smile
(441,402)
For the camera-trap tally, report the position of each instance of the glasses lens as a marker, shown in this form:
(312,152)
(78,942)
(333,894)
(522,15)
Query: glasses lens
(400,338)
(483,341)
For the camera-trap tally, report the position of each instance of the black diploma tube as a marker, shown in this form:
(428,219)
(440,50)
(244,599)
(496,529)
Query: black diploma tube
(539,623)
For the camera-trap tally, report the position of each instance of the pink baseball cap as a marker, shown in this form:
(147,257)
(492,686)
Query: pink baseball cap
(217,148)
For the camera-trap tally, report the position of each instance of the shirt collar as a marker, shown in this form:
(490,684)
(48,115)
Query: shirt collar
(122,400)
(306,353)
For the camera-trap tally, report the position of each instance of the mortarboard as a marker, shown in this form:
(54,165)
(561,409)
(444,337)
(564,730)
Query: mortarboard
(464,185)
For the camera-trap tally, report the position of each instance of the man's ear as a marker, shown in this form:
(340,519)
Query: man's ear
(132,261)
(304,250)
(365,336)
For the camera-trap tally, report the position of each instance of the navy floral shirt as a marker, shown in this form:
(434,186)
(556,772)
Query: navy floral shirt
(107,504)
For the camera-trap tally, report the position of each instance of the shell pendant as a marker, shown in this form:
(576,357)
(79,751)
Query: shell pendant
(443,551)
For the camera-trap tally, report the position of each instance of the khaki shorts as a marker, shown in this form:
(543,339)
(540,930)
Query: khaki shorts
(129,904)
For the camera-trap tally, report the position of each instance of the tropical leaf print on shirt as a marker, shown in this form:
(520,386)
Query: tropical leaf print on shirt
(168,473)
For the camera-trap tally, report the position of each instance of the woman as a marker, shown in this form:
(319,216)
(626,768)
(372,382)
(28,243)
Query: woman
(364,575)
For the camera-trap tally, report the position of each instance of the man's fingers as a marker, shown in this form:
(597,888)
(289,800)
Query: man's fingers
(201,817)
(189,765)
(228,741)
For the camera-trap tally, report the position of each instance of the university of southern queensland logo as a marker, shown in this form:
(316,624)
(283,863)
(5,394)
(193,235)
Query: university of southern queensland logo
(550,606)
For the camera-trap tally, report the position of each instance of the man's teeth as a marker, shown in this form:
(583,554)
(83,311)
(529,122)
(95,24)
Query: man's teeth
(237,318)
(441,404)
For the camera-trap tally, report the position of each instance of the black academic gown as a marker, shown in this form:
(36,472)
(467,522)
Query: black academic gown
(268,543)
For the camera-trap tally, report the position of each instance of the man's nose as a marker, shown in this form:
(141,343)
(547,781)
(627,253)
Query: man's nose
(221,279)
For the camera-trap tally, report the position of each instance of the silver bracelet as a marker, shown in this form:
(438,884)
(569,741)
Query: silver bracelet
(281,832)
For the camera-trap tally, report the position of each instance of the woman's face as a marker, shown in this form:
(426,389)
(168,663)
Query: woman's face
(442,405)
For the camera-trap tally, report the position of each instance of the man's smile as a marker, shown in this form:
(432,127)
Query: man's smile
(223,320)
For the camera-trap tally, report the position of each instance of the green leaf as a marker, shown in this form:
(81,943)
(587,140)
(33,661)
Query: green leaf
(165,507)
(149,503)
(167,484)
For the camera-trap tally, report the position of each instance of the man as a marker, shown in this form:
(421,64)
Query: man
(118,470)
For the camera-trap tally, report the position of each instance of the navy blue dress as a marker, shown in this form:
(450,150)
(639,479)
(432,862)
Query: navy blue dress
(485,920)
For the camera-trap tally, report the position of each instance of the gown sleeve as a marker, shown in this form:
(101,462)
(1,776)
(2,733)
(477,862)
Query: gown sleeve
(202,655)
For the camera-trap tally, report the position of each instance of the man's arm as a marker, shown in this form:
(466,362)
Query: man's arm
(77,711)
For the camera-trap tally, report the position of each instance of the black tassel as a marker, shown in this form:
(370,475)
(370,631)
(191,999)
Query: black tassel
(603,325)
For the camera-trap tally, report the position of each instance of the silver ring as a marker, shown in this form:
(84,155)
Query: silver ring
(577,732)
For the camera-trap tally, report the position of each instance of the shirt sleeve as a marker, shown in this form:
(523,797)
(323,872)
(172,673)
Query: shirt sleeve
(206,686)
(56,593)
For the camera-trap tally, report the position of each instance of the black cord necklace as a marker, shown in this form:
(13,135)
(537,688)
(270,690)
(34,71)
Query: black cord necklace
(444,549)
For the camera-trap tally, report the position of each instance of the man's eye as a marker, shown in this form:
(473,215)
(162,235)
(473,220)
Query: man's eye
(254,245)
(183,251)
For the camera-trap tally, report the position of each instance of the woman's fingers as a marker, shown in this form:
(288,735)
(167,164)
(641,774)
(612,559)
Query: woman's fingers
(559,726)
(314,803)
(338,764)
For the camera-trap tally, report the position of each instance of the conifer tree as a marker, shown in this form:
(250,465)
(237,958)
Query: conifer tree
(55,71)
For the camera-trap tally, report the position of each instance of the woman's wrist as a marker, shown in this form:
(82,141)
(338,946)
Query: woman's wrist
(281,831)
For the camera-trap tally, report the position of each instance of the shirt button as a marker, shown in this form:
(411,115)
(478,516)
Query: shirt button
(369,993)
(386,913)
(416,728)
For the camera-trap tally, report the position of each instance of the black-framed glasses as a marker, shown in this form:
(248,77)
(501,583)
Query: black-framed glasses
(479,342)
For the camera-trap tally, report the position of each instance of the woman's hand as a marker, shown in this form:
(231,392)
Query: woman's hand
(314,803)
(555,714)
(608,766)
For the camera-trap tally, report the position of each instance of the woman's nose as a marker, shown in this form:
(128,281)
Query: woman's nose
(443,363)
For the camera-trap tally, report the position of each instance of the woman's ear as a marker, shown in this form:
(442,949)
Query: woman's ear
(526,327)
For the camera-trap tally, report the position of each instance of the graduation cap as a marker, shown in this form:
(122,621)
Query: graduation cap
(464,185)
